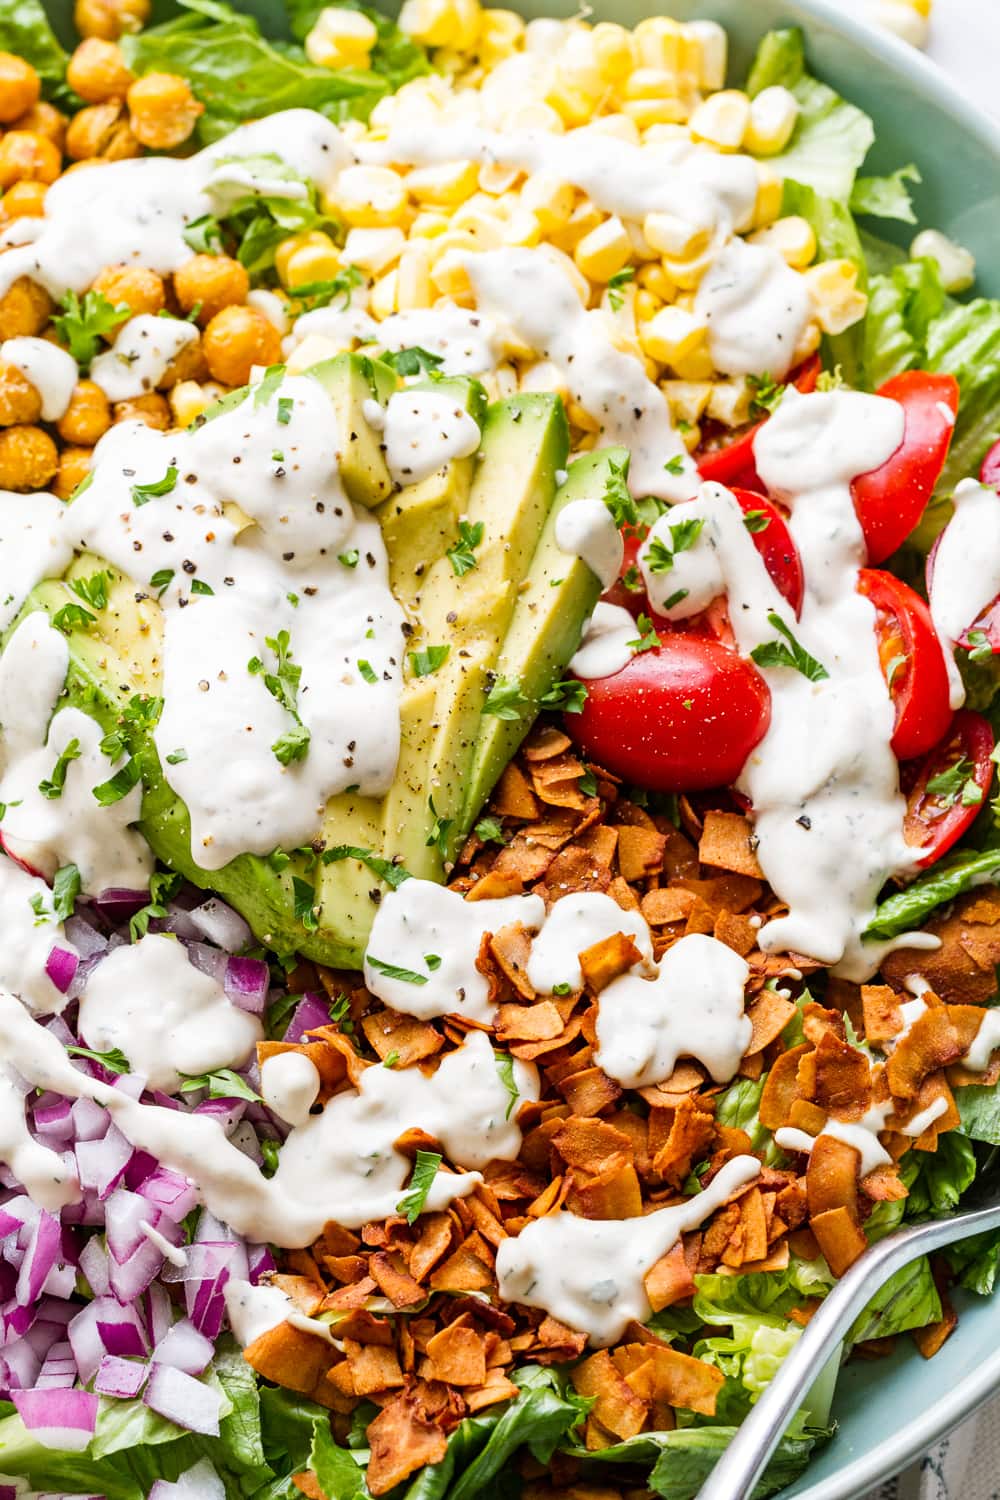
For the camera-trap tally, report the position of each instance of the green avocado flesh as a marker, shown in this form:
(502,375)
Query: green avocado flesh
(507,602)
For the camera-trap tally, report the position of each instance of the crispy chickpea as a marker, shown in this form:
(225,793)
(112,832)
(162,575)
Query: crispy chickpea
(162,110)
(20,87)
(101,131)
(210,283)
(74,466)
(134,287)
(26,157)
(28,459)
(189,364)
(87,417)
(110,19)
(43,119)
(24,309)
(152,409)
(238,338)
(98,71)
(19,400)
(25,200)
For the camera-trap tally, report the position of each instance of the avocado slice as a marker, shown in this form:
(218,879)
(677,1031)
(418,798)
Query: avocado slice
(558,596)
(350,380)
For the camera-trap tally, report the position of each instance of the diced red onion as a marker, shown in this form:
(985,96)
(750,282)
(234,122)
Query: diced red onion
(310,1012)
(133,1276)
(94,1265)
(41,1253)
(59,1419)
(124,1214)
(58,1370)
(120,1377)
(19,1366)
(53,1119)
(61,1280)
(61,966)
(139,1168)
(9,1224)
(259,1262)
(227,1112)
(101,1164)
(211,961)
(184,1348)
(244,1138)
(158,1313)
(169,1191)
(87,941)
(182,1399)
(221,925)
(60,1030)
(17,1321)
(131,1084)
(246,982)
(120,903)
(90,1120)
(123,1336)
(199,1483)
(84,970)
(85,1341)
(178,920)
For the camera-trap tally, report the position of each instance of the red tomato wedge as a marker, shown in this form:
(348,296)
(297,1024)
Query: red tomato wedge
(949,789)
(891,499)
(630,595)
(733,464)
(683,716)
(913,663)
(990,471)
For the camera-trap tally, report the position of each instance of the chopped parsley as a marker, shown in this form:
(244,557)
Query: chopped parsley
(198,587)
(283,685)
(792,654)
(222,1083)
(660,554)
(176,757)
(505,699)
(756,521)
(568,695)
(120,784)
(767,394)
(204,236)
(314,294)
(617,495)
(393,874)
(675,465)
(616,286)
(413,361)
(163,886)
(52,786)
(285,404)
(143,493)
(463,555)
(956,784)
(632,580)
(93,590)
(425,1169)
(979,647)
(114,1060)
(161,581)
(267,385)
(647,640)
(562,989)
(588,783)
(393,971)
(675,598)
(65,889)
(85,322)
(490,830)
(440,829)
(304,896)
(423,663)
(349,559)
(367,671)
(391,1059)
(73,617)
(505,1069)
(433,961)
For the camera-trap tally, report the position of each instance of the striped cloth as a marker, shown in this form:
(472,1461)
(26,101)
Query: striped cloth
(963,1466)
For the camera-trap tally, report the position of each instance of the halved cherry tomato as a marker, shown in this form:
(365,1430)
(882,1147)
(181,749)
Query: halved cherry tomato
(912,662)
(891,499)
(628,589)
(734,464)
(990,471)
(680,717)
(987,624)
(949,789)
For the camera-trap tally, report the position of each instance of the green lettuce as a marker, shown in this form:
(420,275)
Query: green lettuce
(965,342)
(394,57)
(886,197)
(682,1460)
(831,138)
(944,1175)
(837,238)
(902,305)
(909,1299)
(950,877)
(979,1107)
(25,31)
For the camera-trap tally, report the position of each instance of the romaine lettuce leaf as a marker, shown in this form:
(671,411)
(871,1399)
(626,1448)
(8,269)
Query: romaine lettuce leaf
(952,876)
(975,1262)
(25,31)
(902,305)
(682,1460)
(965,342)
(979,1107)
(832,137)
(886,197)
(837,238)
(909,1299)
(944,1175)
(395,57)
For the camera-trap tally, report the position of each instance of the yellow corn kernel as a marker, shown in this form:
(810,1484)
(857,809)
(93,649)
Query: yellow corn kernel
(687,399)
(543,375)
(535,115)
(647,305)
(312,351)
(577,62)
(413,287)
(622,127)
(188,400)
(374,250)
(486,227)
(614,51)
(501,33)
(450,183)
(655,279)
(833,286)
(604,251)
(312,263)
(550,199)
(581,418)
(522,229)
(495,178)
(773,116)
(584,218)
(574,105)
(770,191)
(956,265)
(687,274)
(729,402)
(809,342)
(642,250)
(370,197)
(697,365)
(647,113)
(341,39)
(672,334)
(428,225)
(309,239)
(677,238)
(384,297)
(442,23)
(712,45)
(450,275)
(650,83)
(794,239)
(569,269)
(721,120)
(658,43)
(906,19)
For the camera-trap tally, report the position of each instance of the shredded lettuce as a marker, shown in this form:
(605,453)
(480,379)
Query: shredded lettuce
(831,138)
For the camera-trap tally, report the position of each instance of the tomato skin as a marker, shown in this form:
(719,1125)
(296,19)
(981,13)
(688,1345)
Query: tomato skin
(635,723)
(634,600)
(775,545)
(930,824)
(733,465)
(919,689)
(990,471)
(891,499)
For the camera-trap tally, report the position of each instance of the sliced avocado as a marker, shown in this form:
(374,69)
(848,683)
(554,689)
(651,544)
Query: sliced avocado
(558,596)
(350,380)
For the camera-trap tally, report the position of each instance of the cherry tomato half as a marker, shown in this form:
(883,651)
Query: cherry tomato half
(990,471)
(912,662)
(628,589)
(733,464)
(949,789)
(681,717)
(891,499)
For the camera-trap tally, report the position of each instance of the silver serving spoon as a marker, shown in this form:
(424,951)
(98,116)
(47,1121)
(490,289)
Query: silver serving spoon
(743,1462)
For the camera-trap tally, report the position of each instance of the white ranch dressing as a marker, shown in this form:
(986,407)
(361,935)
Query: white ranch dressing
(50,370)
(576,922)
(465,341)
(529,292)
(693,1008)
(170,1020)
(47,832)
(421,922)
(423,432)
(588,1273)
(143,349)
(586,529)
(341,1164)
(289,1084)
(966,572)
(756,307)
(255,1310)
(274,308)
(987,1040)
(342,326)
(861,1134)
(605,647)
(29,939)
(32,546)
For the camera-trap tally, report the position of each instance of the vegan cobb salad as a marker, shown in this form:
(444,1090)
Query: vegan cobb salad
(498,706)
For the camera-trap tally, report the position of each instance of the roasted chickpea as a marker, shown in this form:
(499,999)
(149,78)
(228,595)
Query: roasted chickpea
(110,19)
(25,200)
(19,400)
(24,309)
(152,409)
(134,287)
(210,283)
(189,364)
(162,110)
(43,119)
(26,157)
(98,71)
(235,340)
(28,459)
(87,417)
(101,132)
(74,466)
(20,87)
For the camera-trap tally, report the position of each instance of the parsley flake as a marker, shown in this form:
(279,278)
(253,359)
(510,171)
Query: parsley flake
(792,654)
(143,493)
(647,640)
(425,1169)
(393,971)
(462,555)
(423,663)
(52,786)
(505,699)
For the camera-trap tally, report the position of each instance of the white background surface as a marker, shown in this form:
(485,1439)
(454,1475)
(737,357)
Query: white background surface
(965,40)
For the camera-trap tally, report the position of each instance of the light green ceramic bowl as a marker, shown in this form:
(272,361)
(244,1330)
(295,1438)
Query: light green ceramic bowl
(889,1411)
